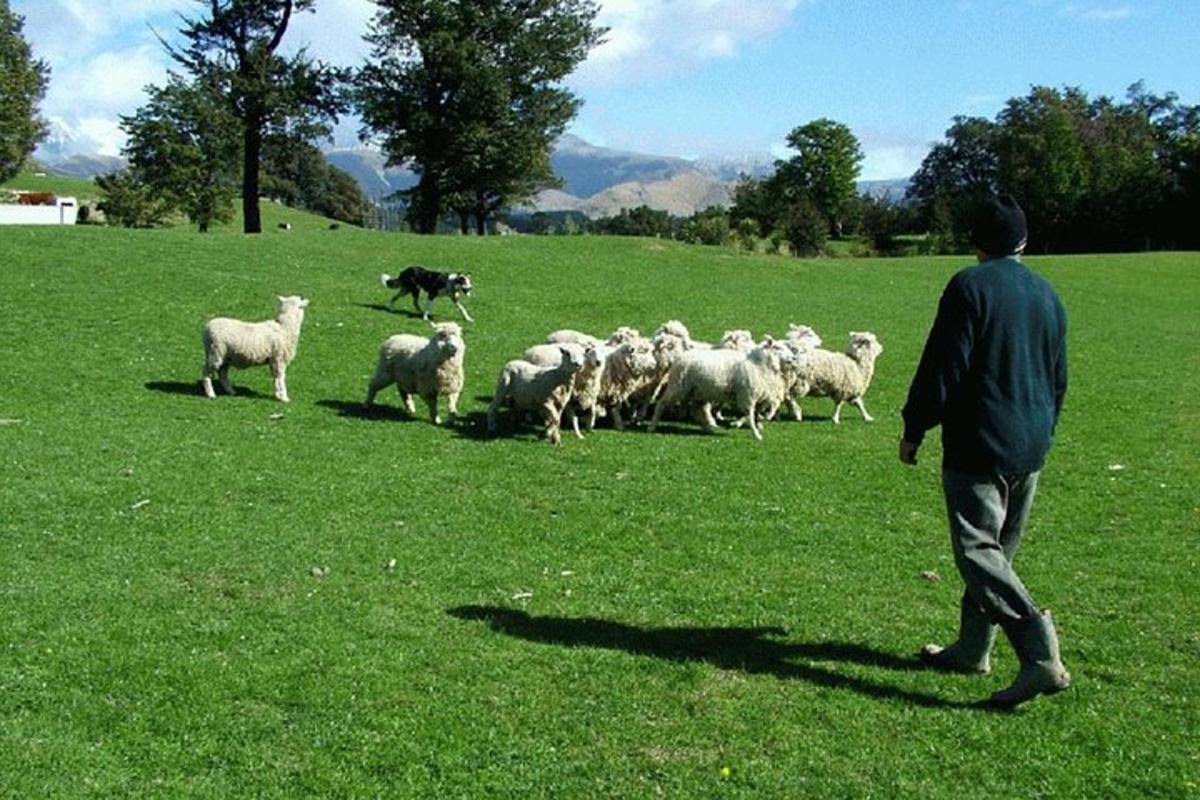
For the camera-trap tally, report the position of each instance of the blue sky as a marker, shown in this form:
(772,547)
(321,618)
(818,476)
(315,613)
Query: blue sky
(713,77)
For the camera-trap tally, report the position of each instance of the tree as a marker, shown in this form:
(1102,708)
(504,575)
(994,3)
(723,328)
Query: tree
(183,144)
(234,48)
(824,171)
(298,174)
(127,201)
(805,227)
(953,173)
(467,95)
(23,81)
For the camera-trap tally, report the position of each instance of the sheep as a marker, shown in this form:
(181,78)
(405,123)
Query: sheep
(677,329)
(802,341)
(424,366)
(763,378)
(740,339)
(841,376)
(628,368)
(586,388)
(528,387)
(234,343)
(699,376)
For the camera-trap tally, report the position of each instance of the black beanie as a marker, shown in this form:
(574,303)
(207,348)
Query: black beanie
(998,225)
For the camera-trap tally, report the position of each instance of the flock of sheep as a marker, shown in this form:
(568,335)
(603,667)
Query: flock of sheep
(579,376)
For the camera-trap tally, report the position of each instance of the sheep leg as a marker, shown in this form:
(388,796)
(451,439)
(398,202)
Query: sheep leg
(552,416)
(491,418)
(279,370)
(706,418)
(206,384)
(380,380)
(223,376)
(658,412)
(575,423)
(795,409)
(618,422)
(862,409)
(431,401)
(463,309)
(752,419)
(407,400)
(428,309)
(452,405)
(837,412)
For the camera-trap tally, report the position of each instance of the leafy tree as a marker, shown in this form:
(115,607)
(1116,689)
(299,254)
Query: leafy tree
(298,174)
(234,48)
(130,202)
(805,228)
(823,171)
(640,221)
(882,221)
(710,227)
(953,173)
(23,82)
(183,144)
(467,95)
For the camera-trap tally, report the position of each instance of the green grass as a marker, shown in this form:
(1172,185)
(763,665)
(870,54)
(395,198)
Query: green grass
(32,180)
(625,616)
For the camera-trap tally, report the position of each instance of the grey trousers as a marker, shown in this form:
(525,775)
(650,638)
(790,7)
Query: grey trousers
(987,515)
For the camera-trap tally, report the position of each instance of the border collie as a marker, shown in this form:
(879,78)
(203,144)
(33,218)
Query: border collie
(414,280)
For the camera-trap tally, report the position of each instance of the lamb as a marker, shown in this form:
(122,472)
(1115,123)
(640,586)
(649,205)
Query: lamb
(802,341)
(424,366)
(842,376)
(586,389)
(528,387)
(234,343)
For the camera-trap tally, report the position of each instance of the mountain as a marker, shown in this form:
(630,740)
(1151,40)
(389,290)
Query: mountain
(83,166)
(368,167)
(587,169)
(892,189)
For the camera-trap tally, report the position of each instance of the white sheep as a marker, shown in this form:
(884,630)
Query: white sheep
(234,343)
(802,341)
(762,379)
(586,388)
(703,377)
(528,387)
(841,376)
(426,366)
(568,336)
(674,327)
(628,368)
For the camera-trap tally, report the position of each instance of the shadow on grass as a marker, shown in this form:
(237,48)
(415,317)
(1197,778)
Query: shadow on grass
(749,650)
(390,310)
(193,389)
(356,410)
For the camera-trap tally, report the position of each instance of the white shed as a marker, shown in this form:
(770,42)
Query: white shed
(61,212)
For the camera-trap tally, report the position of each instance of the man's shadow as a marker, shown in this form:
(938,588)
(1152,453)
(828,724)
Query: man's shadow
(750,650)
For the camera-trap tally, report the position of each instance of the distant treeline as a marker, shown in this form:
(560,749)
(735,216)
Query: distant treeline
(1093,175)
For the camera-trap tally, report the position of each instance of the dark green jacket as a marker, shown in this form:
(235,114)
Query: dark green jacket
(994,370)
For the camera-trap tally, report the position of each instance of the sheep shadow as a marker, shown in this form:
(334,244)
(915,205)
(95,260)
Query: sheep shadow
(473,426)
(755,651)
(356,410)
(192,388)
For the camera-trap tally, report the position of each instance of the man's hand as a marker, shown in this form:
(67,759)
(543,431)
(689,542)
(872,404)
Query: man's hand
(908,452)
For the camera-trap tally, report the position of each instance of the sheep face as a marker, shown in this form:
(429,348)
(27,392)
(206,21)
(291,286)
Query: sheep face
(638,357)
(803,335)
(667,349)
(591,357)
(864,343)
(622,335)
(292,301)
(741,340)
(674,328)
(448,338)
(573,358)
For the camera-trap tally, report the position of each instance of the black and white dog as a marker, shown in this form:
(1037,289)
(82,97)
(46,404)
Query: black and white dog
(414,280)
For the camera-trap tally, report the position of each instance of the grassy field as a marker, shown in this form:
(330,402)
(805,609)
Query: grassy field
(632,615)
(37,181)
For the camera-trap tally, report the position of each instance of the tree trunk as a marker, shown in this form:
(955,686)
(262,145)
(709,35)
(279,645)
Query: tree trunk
(481,222)
(252,148)
(464,223)
(430,204)
(204,226)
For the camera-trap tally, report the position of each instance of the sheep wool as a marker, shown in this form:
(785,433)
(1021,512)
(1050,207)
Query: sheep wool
(426,366)
(585,391)
(234,343)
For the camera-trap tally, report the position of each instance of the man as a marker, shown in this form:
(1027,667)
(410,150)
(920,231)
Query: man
(993,374)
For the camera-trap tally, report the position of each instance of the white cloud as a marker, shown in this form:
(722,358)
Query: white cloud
(650,39)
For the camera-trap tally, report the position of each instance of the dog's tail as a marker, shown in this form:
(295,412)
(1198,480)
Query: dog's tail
(390,282)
